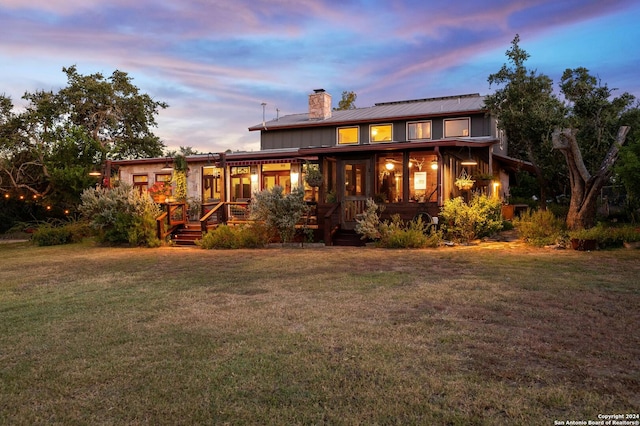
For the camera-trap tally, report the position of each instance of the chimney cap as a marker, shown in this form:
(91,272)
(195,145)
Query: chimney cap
(318,90)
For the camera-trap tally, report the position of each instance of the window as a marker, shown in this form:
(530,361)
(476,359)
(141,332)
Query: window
(277,174)
(348,135)
(163,177)
(211,183)
(381,133)
(240,183)
(456,127)
(141,182)
(423,176)
(389,168)
(419,130)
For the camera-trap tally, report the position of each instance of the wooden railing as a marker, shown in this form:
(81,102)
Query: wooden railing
(174,215)
(331,223)
(213,216)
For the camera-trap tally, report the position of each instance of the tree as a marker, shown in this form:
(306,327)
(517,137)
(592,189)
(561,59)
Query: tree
(48,149)
(348,101)
(528,111)
(591,141)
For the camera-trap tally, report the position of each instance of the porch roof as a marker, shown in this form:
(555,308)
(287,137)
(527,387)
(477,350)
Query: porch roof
(514,163)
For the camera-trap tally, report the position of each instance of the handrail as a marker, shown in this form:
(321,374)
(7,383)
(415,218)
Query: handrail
(204,219)
(328,225)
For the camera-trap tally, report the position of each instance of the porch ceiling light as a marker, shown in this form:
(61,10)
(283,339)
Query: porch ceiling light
(389,165)
(95,173)
(469,162)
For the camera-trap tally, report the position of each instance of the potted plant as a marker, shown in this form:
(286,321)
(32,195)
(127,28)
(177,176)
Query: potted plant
(484,179)
(312,176)
(585,239)
(160,191)
(464,182)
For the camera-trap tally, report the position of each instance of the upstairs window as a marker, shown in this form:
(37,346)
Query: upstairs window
(458,127)
(419,130)
(381,133)
(348,135)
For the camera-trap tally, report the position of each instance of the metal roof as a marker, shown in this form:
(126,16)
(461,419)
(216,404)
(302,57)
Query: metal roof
(386,111)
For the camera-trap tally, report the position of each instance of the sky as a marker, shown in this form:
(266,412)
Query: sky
(216,61)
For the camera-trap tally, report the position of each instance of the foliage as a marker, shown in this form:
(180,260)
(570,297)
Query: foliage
(235,237)
(121,215)
(528,111)
(280,212)
(160,189)
(540,227)
(70,232)
(49,148)
(368,225)
(180,178)
(628,166)
(464,222)
(413,234)
(312,175)
(347,102)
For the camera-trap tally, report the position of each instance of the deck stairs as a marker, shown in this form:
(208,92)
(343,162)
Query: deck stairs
(347,238)
(187,235)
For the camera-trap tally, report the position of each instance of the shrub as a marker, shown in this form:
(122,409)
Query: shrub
(278,211)
(234,237)
(464,222)
(121,215)
(368,225)
(49,235)
(540,227)
(414,234)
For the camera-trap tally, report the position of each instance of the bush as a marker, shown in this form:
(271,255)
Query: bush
(540,227)
(235,237)
(464,222)
(368,225)
(49,235)
(278,211)
(121,215)
(414,234)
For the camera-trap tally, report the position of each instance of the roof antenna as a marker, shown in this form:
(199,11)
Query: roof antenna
(277,114)
(264,104)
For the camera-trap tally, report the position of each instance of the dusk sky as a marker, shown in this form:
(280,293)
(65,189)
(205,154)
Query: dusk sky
(215,61)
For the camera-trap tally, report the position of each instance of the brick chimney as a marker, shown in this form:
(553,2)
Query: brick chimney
(319,105)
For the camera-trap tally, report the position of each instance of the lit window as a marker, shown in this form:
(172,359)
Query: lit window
(141,182)
(458,127)
(348,135)
(419,130)
(381,133)
(163,177)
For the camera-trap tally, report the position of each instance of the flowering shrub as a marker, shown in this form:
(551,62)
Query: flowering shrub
(464,222)
(160,189)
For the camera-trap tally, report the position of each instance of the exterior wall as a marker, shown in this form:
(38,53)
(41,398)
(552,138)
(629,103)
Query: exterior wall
(297,138)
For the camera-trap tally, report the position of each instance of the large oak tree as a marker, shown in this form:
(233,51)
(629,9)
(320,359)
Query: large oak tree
(48,148)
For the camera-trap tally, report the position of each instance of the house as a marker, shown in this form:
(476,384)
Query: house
(407,155)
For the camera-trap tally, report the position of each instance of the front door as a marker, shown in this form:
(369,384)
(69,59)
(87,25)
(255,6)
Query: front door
(355,175)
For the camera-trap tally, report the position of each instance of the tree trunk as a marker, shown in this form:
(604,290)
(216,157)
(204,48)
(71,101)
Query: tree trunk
(584,187)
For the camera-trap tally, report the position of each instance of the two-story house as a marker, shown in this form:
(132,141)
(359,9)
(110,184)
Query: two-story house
(407,155)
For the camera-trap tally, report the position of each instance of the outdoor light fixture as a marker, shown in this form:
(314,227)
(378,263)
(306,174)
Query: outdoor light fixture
(389,165)
(469,161)
(167,167)
(434,165)
(95,173)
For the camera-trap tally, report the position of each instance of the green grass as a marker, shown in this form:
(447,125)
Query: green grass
(488,334)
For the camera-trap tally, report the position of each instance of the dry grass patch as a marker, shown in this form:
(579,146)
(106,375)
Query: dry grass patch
(475,335)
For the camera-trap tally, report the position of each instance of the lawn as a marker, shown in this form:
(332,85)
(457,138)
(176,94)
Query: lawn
(487,334)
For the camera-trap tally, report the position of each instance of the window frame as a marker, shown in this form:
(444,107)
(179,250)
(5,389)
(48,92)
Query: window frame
(430,122)
(371,126)
(357,141)
(447,120)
